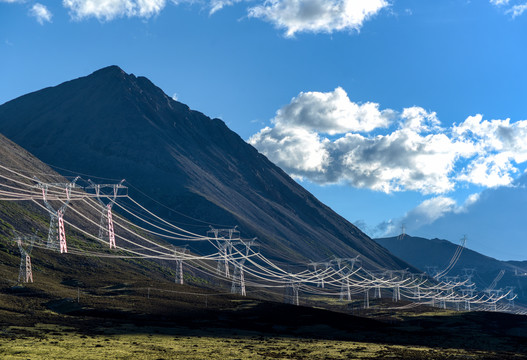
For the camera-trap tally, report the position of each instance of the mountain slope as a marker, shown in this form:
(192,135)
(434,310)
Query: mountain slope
(423,253)
(54,273)
(114,125)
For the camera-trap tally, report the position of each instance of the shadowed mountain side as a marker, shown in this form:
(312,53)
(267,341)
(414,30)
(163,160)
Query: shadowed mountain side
(114,125)
(88,262)
(423,253)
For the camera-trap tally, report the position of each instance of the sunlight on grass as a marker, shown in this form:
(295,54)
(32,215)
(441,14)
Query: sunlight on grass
(45,341)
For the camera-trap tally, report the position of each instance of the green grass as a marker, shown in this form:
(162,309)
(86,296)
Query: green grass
(45,341)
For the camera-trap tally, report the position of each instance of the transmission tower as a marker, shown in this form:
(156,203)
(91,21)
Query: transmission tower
(432,271)
(106,230)
(377,293)
(453,260)
(396,293)
(223,238)
(403,233)
(178,254)
(315,265)
(25,274)
(496,280)
(417,293)
(468,274)
(291,292)
(56,234)
(238,278)
(345,267)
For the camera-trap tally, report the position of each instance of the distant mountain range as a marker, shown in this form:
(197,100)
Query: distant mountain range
(495,222)
(427,254)
(177,161)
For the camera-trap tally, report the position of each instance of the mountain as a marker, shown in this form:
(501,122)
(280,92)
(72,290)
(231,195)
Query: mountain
(424,253)
(178,161)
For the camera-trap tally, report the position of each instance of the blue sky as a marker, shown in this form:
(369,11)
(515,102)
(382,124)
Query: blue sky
(389,111)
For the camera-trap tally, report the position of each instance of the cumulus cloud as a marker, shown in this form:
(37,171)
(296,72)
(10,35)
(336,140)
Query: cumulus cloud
(500,145)
(293,15)
(317,15)
(326,138)
(294,148)
(332,113)
(41,13)
(106,10)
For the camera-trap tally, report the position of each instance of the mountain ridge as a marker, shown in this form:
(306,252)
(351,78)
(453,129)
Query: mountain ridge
(423,253)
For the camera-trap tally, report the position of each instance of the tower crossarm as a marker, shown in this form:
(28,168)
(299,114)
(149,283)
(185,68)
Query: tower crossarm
(119,190)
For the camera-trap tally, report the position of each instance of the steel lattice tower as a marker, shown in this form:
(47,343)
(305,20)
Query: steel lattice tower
(238,278)
(57,233)
(403,233)
(396,293)
(320,282)
(25,274)
(291,293)
(345,272)
(106,229)
(377,293)
(367,298)
(223,238)
(178,254)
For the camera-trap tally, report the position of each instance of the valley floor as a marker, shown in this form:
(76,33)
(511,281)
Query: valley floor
(120,321)
(46,341)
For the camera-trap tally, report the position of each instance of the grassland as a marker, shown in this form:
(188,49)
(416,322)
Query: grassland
(45,341)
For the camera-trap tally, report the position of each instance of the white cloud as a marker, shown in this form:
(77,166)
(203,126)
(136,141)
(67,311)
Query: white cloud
(217,5)
(471,199)
(401,160)
(517,10)
(426,213)
(41,13)
(489,171)
(514,8)
(332,113)
(294,15)
(110,9)
(499,144)
(416,154)
(175,97)
(317,15)
(418,119)
(429,211)
(294,148)
(499,2)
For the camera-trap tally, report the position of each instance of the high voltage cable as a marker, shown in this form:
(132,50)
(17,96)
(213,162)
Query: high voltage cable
(275,274)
